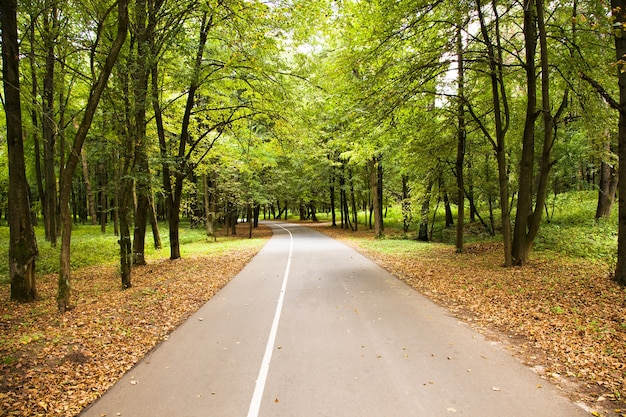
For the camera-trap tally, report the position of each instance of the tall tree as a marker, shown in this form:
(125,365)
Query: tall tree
(64,287)
(461,138)
(22,245)
(173,192)
(51,26)
(528,219)
(141,72)
(618,11)
(501,115)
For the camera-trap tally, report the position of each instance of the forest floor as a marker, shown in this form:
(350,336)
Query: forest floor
(563,318)
(56,364)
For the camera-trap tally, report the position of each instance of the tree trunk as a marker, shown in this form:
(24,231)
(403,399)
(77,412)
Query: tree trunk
(448,209)
(501,122)
(422,233)
(103,198)
(141,165)
(524,201)
(529,218)
(379,189)
(549,130)
(342,195)
(607,186)
(345,210)
(126,252)
(375,164)
(141,221)
(22,242)
(116,199)
(355,219)
(234,220)
(257,212)
(250,210)
(174,223)
(619,13)
(406,205)
(174,195)
(332,198)
(63,295)
(49,135)
(35,121)
(461,140)
(313,213)
(156,235)
(209,206)
(303,212)
(91,200)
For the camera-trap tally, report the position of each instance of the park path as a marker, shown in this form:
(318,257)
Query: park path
(312,328)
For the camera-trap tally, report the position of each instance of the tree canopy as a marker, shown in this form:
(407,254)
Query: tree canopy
(214,110)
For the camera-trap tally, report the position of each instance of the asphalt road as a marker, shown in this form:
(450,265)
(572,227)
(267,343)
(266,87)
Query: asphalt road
(312,328)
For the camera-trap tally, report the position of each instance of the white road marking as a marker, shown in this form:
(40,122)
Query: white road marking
(257,396)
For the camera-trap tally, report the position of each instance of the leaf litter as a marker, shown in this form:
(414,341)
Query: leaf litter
(54,364)
(563,318)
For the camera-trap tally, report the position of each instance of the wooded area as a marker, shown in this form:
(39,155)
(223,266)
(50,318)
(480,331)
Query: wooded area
(214,110)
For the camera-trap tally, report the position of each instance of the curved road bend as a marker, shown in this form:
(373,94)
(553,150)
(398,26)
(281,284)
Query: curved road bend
(312,328)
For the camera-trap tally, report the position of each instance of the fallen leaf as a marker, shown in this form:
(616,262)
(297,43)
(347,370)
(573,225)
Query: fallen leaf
(82,353)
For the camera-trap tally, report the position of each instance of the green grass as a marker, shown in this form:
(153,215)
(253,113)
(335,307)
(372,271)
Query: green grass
(397,246)
(91,247)
(570,230)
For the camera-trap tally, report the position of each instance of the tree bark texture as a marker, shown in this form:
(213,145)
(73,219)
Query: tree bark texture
(22,242)
(618,10)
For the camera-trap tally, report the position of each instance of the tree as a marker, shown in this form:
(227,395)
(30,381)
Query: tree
(173,192)
(528,219)
(618,12)
(22,245)
(51,27)
(64,287)
(501,114)
(141,73)
(461,139)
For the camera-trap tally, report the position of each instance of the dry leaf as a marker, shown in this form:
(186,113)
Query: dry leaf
(79,355)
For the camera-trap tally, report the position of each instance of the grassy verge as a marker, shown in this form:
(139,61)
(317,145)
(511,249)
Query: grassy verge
(90,247)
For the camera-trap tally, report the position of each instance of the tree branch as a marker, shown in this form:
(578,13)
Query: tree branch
(600,90)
